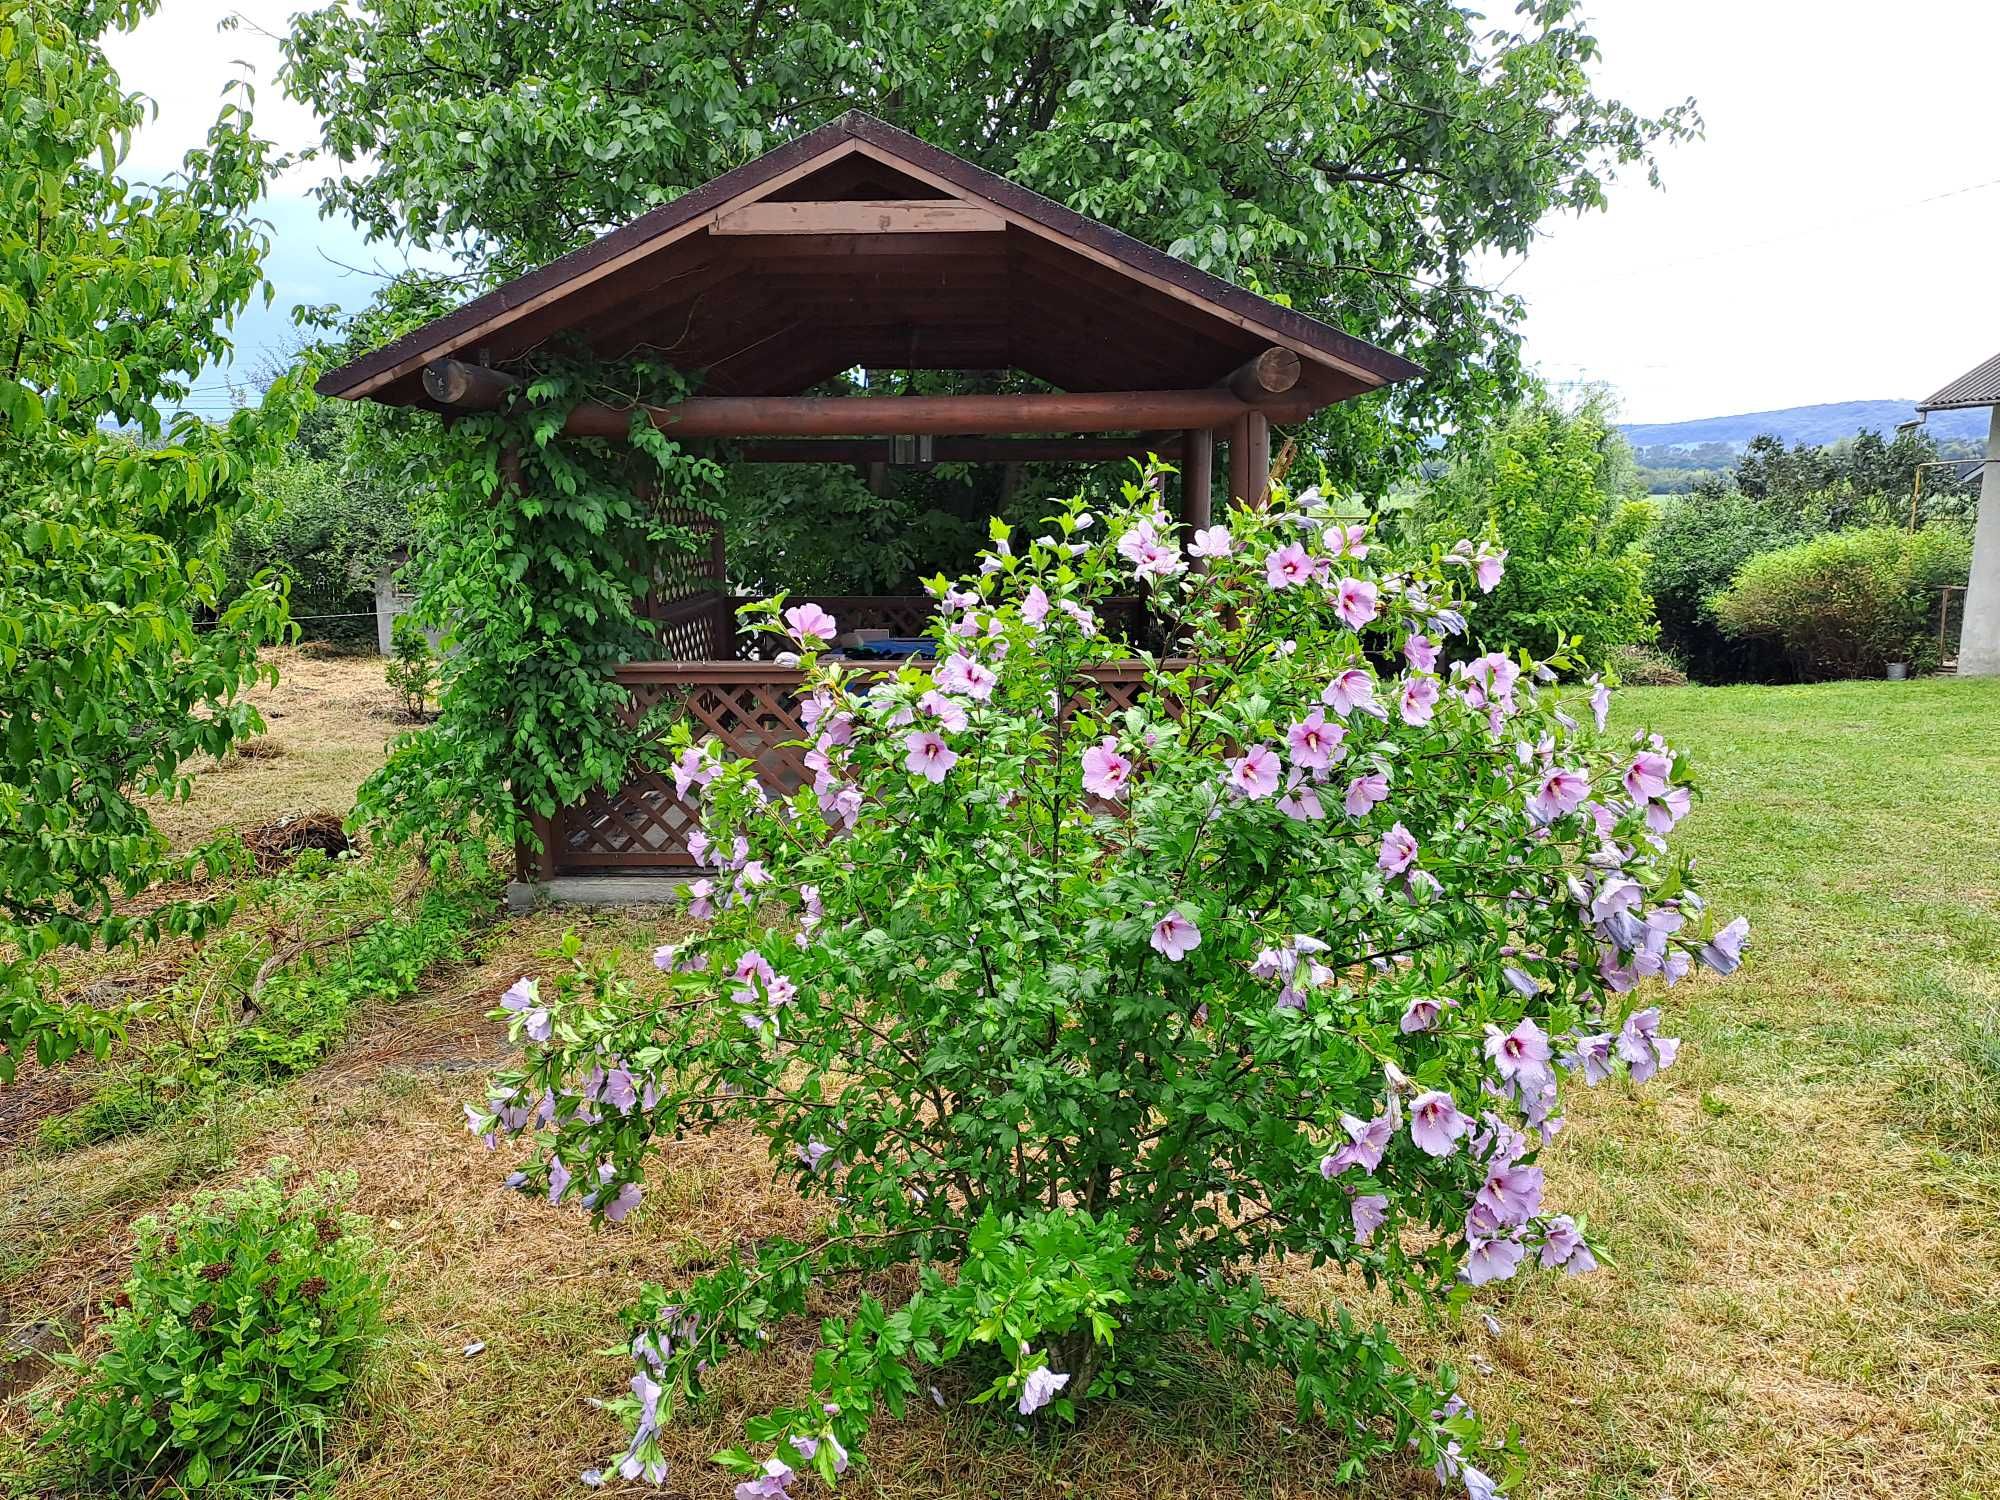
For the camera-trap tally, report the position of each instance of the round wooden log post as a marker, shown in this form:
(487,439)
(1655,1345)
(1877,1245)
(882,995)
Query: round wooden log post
(1239,461)
(1197,477)
(1270,375)
(534,857)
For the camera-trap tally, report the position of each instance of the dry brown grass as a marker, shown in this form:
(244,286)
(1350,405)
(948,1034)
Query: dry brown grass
(329,720)
(327,723)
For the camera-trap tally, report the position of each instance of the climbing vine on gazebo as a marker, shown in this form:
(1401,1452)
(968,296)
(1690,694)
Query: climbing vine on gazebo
(537,550)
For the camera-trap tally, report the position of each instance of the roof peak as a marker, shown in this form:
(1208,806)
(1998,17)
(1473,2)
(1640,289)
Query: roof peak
(1097,309)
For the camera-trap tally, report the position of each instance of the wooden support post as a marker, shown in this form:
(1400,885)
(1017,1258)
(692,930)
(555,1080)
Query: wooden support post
(534,856)
(1257,434)
(1197,477)
(718,554)
(1239,461)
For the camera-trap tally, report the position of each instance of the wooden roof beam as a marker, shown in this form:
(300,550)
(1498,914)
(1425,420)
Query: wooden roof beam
(1259,381)
(860,216)
(946,450)
(453,384)
(886,416)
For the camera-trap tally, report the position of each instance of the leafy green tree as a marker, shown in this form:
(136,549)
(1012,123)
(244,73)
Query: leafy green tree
(1692,554)
(119,659)
(1768,470)
(326,524)
(1352,158)
(1860,481)
(1541,486)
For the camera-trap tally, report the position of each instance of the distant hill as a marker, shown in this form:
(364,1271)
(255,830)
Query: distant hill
(1815,425)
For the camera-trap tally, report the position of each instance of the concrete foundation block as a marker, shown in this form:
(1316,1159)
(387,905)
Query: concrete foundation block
(597,890)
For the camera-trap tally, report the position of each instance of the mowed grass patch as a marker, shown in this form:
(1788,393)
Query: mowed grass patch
(66,1215)
(328,723)
(1805,1295)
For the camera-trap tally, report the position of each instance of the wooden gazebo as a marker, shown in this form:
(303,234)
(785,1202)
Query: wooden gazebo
(858,246)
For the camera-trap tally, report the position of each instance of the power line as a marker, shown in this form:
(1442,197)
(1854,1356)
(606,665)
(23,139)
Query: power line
(1887,214)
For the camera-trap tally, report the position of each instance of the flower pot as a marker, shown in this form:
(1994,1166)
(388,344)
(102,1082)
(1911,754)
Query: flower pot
(1898,670)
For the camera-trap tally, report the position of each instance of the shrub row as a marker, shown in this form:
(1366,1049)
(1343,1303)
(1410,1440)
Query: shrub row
(1848,603)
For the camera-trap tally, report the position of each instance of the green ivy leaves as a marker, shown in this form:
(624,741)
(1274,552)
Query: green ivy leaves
(535,553)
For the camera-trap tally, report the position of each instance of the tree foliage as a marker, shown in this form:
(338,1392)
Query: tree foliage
(1860,481)
(1549,486)
(1086,1005)
(1694,552)
(119,659)
(324,524)
(1352,157)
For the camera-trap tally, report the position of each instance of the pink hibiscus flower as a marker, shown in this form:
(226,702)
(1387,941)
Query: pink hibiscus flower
(930,757)
(1174,937)
(1105,771)
(1287,567)
(1254,774)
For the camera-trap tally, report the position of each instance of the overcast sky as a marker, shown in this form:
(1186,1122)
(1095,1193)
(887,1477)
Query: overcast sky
(1831,239)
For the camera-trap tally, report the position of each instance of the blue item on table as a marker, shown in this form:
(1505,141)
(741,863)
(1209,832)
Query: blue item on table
(896,645)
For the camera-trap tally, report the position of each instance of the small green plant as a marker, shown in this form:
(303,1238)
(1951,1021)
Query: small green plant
(273,995)
(412,671)
(234,1343)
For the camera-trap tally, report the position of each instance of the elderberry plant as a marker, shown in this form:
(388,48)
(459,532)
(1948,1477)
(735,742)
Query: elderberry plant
(1088,992)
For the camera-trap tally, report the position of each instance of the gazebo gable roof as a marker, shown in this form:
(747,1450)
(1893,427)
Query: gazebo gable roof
(860,245)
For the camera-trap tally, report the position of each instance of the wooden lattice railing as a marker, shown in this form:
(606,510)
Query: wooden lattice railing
(702,626)
(752,707)
(699,628)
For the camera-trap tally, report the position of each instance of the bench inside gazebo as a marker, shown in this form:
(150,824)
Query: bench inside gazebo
(860,247)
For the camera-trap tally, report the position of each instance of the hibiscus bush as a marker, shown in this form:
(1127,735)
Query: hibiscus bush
(1081,990)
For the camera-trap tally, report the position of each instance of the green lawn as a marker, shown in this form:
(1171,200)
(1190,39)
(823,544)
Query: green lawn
(1807,1215)
(1804,1214)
